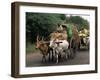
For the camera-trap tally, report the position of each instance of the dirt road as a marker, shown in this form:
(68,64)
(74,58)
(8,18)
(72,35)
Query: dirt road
(35,59)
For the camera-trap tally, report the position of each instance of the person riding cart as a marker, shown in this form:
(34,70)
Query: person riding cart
(67,28)
(72,37)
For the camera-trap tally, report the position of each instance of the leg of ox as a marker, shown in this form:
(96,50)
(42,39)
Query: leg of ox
(67,54)
(50,54)
(56,56)
(44,58)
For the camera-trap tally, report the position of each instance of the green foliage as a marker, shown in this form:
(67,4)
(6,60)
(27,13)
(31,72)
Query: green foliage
(30,48)
(79,21)
(42,24)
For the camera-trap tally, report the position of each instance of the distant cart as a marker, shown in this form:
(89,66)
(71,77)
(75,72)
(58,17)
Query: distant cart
(84,39)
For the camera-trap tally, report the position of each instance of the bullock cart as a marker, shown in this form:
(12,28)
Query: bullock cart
(59,47)
(63,48)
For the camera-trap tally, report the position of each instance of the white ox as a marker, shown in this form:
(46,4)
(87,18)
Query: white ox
(60,47)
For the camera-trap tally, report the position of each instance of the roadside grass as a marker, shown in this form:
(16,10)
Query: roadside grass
(30,48)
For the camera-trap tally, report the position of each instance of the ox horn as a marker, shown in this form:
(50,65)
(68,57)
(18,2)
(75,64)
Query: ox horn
(37,38)
(42,38)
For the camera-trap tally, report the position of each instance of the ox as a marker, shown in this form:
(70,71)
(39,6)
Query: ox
(43,47)
(59,44)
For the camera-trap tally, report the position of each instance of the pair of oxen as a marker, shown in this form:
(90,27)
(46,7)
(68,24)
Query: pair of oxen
(59,47)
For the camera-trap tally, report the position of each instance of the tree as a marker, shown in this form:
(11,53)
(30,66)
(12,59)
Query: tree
(79,21)
(42,24)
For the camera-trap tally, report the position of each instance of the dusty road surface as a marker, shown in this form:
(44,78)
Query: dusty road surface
(35,59)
